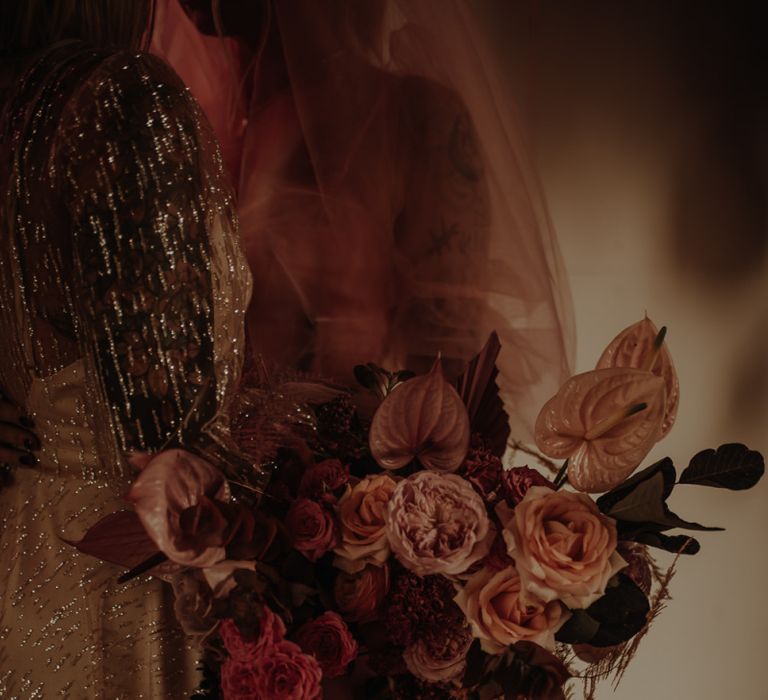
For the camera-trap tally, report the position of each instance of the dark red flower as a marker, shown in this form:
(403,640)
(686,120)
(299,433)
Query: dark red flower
(418,605)
(329,640)
(239,680)
(322,481)
(482,468)
(515,483)
(312,528)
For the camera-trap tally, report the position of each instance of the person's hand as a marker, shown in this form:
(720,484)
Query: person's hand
(17,441)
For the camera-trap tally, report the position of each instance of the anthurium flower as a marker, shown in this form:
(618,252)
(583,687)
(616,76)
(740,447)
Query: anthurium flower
(605,422)
(642,346)
(425,419)
(176,496)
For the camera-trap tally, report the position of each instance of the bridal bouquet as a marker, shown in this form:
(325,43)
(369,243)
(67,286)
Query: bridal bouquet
(394,555)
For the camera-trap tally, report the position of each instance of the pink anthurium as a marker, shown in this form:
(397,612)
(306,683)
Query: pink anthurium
(176,497)
(425,419)
(605,422)
(642,346)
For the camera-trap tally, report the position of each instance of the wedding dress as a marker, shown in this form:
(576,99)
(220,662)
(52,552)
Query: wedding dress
(122,294)
(387,205)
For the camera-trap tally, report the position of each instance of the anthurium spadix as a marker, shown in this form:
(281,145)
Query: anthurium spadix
(604,422)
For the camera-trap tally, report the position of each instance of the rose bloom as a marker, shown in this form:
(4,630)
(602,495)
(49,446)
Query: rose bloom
(361,511)
(193,603)
(500,616)
(329,640)
(359,595)
(437,524)
(321,480)
(563,546)
(311,528)
(287,674)
(441,655)
(175,496)
(239,680)
(271,633)
(515,483)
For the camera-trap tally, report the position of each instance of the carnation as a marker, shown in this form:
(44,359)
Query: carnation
(437,524)
(482,468)
(515,483)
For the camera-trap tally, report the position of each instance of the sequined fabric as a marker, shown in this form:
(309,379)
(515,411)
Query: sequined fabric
(122,292)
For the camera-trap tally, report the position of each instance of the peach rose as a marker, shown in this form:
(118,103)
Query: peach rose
(563,546)
(360,595)
(499,616)
(361,511)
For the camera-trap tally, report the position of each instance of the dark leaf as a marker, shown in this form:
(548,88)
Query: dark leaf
(616,617)
(120,539)
(644,508)
(365,376)
(665,467)
(733,466)
(480,393)
(678,544)
(475,669)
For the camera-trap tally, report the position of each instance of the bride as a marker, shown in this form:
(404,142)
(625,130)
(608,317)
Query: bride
(122,292)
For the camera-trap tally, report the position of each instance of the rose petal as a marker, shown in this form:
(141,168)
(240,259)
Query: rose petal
(633,347)
(423,418)
(589,400)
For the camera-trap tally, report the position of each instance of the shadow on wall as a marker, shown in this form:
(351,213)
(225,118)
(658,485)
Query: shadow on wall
(679,77)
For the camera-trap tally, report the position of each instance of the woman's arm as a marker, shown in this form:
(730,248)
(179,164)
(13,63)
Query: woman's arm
(139,185)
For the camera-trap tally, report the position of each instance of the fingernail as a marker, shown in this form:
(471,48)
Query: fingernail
(28,460)
(27,422)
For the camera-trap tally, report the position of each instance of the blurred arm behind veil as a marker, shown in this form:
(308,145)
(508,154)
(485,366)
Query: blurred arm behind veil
(387,206)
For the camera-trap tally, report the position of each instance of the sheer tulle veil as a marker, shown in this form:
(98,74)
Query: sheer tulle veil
(349,65)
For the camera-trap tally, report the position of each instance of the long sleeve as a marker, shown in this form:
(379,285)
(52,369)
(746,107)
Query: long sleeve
(143,186)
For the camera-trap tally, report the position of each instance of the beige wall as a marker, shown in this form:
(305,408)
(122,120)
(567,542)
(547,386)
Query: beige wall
(647,128)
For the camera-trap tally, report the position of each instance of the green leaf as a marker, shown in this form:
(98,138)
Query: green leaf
(732,466)
(616,617)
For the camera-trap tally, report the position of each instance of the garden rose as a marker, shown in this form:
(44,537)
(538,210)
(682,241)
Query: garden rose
(329,640)
(193,603)
(441,655)
(361,513)
(563,546)
(437,524)
(500,616)
(311,528)
(175,496)
(271,633)
(360,595)
(239,680)
(287,674)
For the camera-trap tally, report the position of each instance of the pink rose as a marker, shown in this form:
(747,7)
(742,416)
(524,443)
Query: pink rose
(287,674)
(359,595)
(437,524)
(239,680)
(361,512)
(439,656)
(563,546)
(328,639)
(176,497)
(271,632)
(311,528)
(321,480)
(500,615)
(515,483)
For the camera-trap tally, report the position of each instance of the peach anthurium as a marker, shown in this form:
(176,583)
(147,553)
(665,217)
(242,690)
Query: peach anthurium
(642,346)
(605,422)
(423,418)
